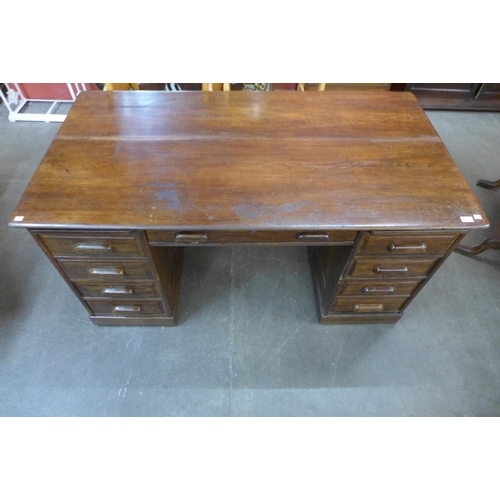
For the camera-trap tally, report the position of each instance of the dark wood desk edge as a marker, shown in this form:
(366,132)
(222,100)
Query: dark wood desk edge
(482,224)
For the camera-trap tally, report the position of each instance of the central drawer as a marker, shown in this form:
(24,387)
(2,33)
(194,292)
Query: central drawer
(105,270)
(339,237)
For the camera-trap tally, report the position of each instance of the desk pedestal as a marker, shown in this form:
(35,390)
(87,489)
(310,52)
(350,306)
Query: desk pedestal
(376,279)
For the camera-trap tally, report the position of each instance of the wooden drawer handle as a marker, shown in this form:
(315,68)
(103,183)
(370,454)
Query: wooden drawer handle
(313,237)
(94,247)
(106,272)
(135,309)
(115,290)
(378,289)
(191,237)
(390,270)
(368,308)
(421,247)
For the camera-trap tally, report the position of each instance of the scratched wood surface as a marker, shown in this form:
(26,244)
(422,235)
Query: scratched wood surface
(247,161)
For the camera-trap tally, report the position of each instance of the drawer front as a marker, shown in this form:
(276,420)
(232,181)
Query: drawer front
(376,288)
(401,244)
(125,307)
(106,271)
(368,305)
(69,244)
(263,237)
(393,268)
(125,290)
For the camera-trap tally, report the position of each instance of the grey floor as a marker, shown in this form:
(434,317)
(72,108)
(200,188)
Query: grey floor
(248,342)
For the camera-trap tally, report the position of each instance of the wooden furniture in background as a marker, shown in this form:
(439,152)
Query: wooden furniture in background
(490,243)
(458,96)
(209,87)
(302,86)
(361,179)
(343,87)
(121,86)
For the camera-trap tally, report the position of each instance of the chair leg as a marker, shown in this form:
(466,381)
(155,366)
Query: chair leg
(489,244)
(488,184)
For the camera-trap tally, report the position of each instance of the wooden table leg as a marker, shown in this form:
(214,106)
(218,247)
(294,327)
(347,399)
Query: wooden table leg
(488,184)
(489,244)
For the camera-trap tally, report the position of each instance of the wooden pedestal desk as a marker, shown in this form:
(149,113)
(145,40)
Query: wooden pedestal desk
(362,179)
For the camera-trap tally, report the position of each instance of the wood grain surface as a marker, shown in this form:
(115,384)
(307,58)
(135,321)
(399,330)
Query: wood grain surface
(247,161)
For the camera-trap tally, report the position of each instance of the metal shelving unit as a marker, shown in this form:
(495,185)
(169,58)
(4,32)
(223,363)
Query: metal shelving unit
(20,108)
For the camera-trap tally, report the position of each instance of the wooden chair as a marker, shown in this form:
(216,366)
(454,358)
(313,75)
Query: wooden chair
(302,87)
(209,87)
(121,86)
(490,243)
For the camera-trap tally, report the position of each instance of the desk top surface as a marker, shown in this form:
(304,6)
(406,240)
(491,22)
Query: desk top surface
(247,160)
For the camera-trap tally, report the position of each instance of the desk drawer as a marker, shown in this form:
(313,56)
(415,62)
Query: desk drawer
(376,288)
(403,244)
(365,305)
(160,238)
(106,271)
(101,244)
(125,307)
(118,290)
(396,268)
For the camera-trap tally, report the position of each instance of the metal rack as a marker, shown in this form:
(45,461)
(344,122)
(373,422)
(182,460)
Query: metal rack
(19,105)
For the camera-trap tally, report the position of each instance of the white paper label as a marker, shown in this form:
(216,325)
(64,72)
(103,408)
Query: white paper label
(466,218)
(478,217)
(18,218)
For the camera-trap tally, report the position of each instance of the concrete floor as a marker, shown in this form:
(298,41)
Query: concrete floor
(248,342)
